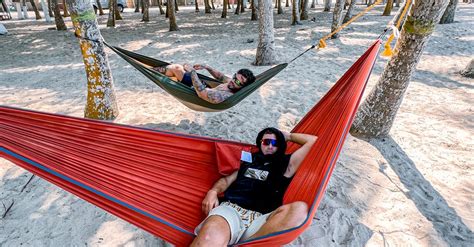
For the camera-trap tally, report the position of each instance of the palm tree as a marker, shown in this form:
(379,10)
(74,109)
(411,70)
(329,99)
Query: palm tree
(35,9)
(58,19)
(266,39)
(337,17)
(448,16)
(146,11)
(348,15)
(101,103)
(172,16)
(388,8)
(376,114)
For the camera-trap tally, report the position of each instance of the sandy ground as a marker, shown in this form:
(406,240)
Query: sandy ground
(414,188)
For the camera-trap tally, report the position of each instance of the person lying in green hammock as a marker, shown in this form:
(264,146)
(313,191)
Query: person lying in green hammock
(253,195)
(187,75)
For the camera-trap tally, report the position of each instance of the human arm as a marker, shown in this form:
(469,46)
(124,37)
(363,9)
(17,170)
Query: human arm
(208,94)
(215,73)
(306,141)
(211,201)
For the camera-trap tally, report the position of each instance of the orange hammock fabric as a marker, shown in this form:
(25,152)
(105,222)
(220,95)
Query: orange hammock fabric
(156,179)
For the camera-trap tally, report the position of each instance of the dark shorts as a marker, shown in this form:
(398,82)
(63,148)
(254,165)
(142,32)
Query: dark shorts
(187,79)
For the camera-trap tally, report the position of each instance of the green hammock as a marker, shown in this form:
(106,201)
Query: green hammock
(185,94)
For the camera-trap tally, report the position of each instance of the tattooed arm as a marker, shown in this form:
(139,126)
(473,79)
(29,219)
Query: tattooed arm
(215,73)
(210,95)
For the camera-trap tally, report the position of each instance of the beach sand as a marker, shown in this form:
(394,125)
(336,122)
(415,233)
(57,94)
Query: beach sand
(413,188)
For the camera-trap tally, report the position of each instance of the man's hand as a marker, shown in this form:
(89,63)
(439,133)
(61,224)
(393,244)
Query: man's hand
(210,201)
(287,136)
(187,67)
(199,66)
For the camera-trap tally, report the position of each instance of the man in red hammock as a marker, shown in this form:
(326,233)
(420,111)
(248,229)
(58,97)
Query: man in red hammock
(187,75)
(253,195)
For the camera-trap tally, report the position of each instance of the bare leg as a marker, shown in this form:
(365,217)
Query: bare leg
(175,70)
(214,232)
(283,218)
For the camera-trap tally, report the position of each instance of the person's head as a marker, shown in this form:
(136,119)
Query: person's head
(242,78)
(271,141)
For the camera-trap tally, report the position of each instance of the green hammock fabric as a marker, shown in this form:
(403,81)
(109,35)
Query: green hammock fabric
(185,94)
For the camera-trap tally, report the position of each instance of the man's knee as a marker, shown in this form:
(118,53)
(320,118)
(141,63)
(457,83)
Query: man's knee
(215,230)
(296,212)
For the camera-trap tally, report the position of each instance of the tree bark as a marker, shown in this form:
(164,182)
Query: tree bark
(242,6)
(337,17)
(397,4)
(304,9)
(50,8)
(388,8)
(111,19)
(212,5)
(118,16)
(172,16)
(137,6)
(160,3)
(295,13)
(146,11)
(327,5)
(313,4)
(448,16)
(197,6)
(279,8)
(101,10)
(350,9)
(237,9)
(469,70)
(58,18)
(376,114)
(266,40)
(254,11)
(65,12)
(101,103)
(35,9)
(207,7)
(176,8)
(287,3)
(224,9)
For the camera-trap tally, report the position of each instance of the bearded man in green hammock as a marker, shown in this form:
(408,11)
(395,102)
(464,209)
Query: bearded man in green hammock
(187,75)
(253,195)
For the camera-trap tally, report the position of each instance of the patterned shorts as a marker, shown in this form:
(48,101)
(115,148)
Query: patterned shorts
(243,223)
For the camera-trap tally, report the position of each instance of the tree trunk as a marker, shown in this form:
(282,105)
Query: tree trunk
(266,40)
(35,9)
(118,16)
(376,114)
(469,70)
(327,5)
(137,6)
(50,8)
(101,103)
(350,9)
(167,11)
(176,8)
(212,4)
(313,4)
(337,17)
(58,18)
(237,9)
(101,10)
(197,6)
(448,16)
(207,7)
(146,11)
(160,3)
(388,8)
(295,13)
(254,11)
(111,19)
(242,6)
(287,3)
(280,9)
(172,16)
(224,9)
(65,12)
(304,9)
(397,3)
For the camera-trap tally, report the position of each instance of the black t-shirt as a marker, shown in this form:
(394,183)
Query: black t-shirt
(260,185)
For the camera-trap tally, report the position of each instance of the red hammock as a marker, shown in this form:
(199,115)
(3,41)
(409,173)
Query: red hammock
(156,179)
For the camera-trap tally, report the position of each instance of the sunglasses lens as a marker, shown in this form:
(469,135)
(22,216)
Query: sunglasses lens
(267,142)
